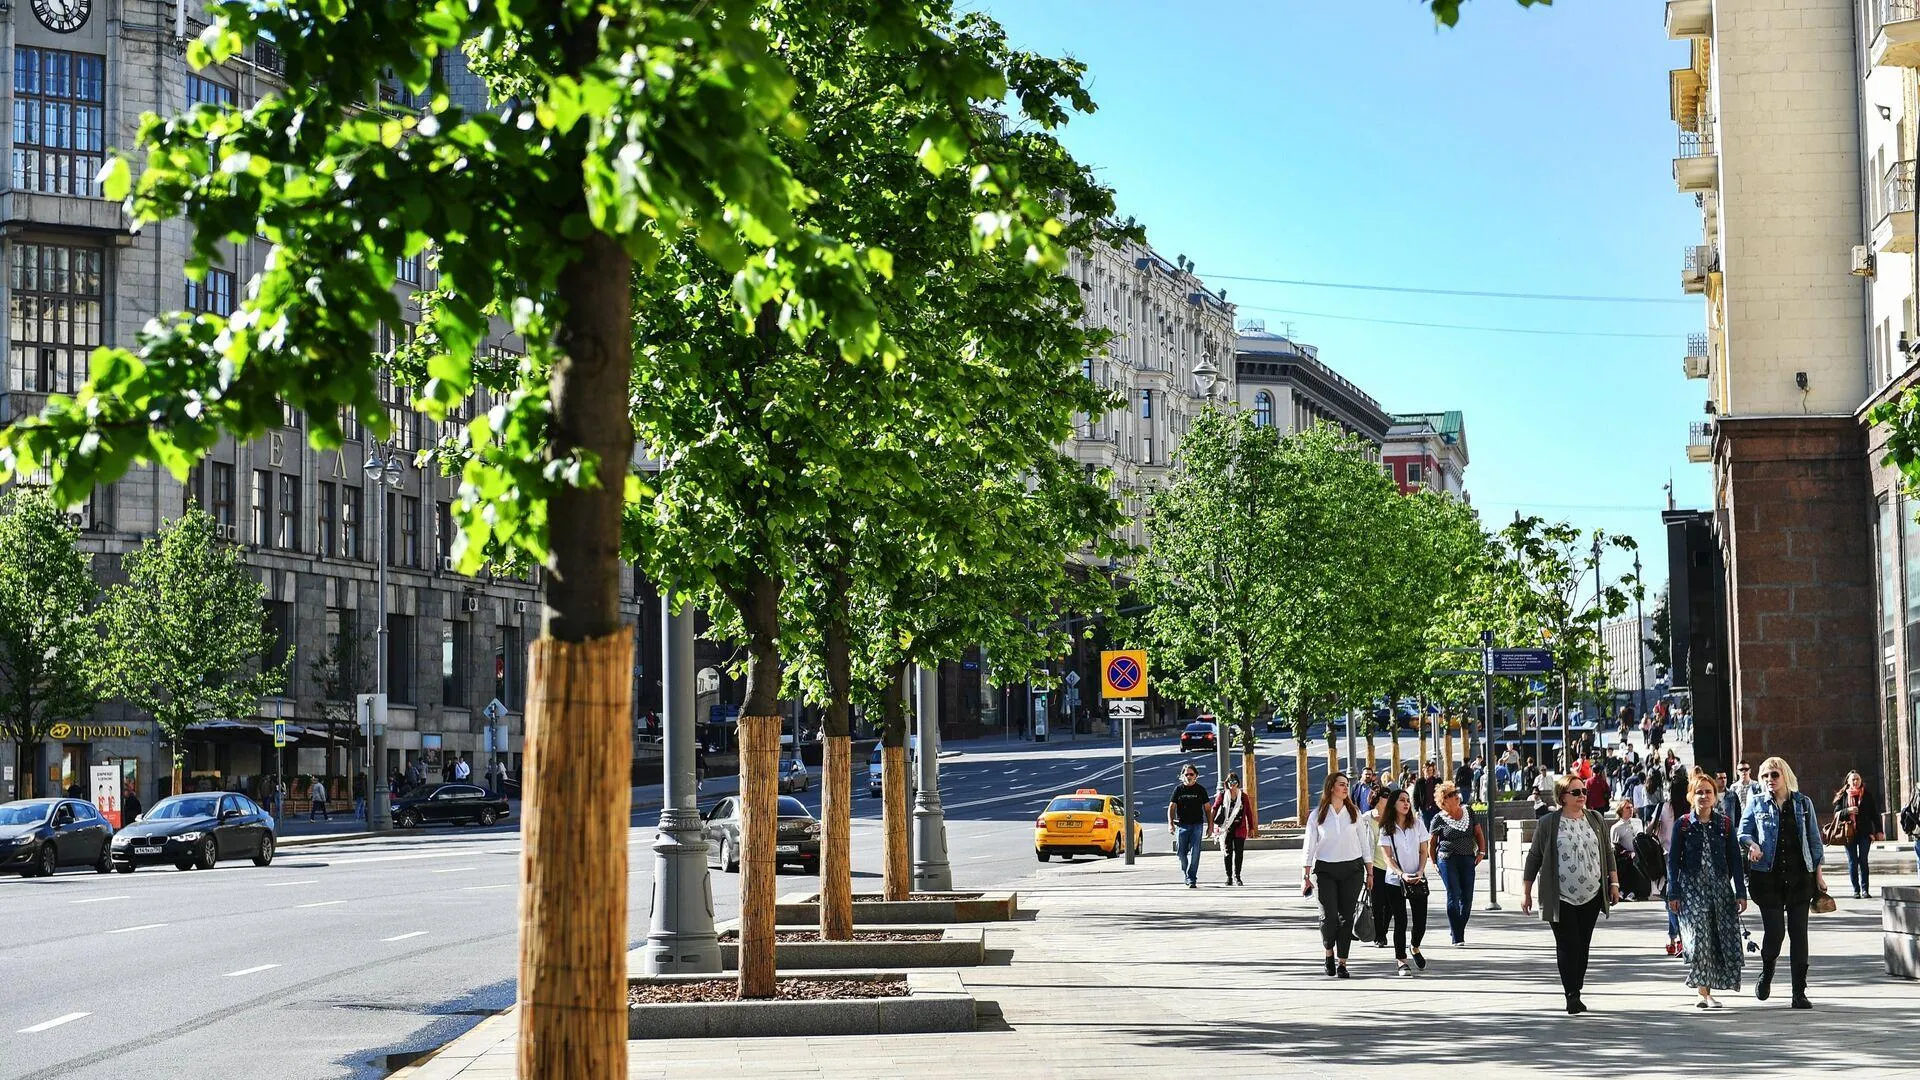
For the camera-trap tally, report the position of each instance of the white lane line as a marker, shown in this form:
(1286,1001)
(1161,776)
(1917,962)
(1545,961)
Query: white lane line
(142,926)
(250,971)
(53,1023)
(98,899)
(320,903)
(480,888)
(283,884)
(416,855)
(454,870)
(403,937)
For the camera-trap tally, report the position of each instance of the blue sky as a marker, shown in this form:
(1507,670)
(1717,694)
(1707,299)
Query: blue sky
(1528,151)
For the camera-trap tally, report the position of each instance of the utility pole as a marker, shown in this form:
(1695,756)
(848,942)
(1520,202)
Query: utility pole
(383,471)
(931,870)
(1639,635)
(1597,611)
(1493,842)
(680,938)
(1130,818)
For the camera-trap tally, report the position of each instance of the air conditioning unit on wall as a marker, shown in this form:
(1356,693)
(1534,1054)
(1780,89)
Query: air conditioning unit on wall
(519,607)
(1862,262)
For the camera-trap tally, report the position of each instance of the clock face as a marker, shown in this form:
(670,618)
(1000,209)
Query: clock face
(62,16)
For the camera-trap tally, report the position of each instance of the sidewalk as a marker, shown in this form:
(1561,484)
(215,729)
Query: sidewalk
(1120,970)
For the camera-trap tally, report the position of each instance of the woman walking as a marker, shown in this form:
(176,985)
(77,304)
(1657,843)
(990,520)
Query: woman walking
(1782,842)
(1857,810)
(1233,818)
(1573,862)
(1458,846)
(1336,862)
(1403,840)
(1707,883)
(1635,884)
(1377,859)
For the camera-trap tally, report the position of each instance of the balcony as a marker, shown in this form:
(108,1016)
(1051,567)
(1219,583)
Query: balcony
(1689,19)
(1697,262)
(1896,37)
(1695,364)
(1697,167)
(1684,91)
(1893,232)
(1699,442)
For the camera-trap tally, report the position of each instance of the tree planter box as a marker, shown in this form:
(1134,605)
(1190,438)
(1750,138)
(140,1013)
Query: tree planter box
(1900,926)
(958,946)
(803,909)
(1268,840)
(936,1001)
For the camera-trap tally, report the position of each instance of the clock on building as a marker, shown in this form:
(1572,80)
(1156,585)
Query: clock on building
(63,16)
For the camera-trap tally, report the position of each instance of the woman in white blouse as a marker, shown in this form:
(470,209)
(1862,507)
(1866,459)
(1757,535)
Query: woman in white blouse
(1403,841)
(1338,862)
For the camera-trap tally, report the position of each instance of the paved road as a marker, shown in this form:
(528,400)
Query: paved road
(346,959)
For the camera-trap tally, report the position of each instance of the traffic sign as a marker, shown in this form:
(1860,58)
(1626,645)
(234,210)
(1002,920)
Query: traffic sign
(279,733)
(1127,709)
(1072,679)
(1123,673)
(1519,661)
(494,710)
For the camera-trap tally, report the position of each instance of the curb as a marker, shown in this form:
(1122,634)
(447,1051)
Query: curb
(283,843)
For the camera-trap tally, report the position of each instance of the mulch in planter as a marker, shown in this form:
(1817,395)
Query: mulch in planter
(923,896)
(823,988)
(858,935)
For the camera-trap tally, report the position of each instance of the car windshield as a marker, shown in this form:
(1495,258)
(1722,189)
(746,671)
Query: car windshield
(25,814)
(792,807)
(186,806)
(1082,803)
(1199,725)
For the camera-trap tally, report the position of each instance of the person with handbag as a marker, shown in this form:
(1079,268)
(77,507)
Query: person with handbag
(1233,822)
(1376,899)
(1708,891)
(1403,841)
(1336,865)
(1459,845)
(1573,861)
(1856,825)
(1910,823)
(1784,853)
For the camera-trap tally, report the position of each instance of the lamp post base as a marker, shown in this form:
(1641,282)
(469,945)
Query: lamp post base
(681,938)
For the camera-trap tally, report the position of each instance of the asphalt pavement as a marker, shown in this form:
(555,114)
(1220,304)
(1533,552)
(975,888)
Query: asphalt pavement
(348,959)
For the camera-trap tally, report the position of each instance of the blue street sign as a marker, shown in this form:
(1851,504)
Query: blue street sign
(1519,661)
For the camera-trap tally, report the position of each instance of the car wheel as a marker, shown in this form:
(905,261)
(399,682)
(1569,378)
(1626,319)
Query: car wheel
(48,862)
(488,817)
(406,819)
(183,866)
(105,865)
(264,856)
(1043,856)
(1117,848)
(729,860)
(127,869)
(208,855)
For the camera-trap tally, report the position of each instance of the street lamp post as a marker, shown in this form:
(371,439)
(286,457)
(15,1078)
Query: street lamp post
(1598,613)
(1639,636)
(680,938)
(931,870)
(383,471)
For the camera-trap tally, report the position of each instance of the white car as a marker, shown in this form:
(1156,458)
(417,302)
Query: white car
(874,770)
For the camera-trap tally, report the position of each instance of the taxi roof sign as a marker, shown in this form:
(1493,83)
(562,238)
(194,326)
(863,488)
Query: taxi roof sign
(1086,791)
(1123,673)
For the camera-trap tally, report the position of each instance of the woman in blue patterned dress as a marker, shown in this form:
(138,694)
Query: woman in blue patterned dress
(1707,880)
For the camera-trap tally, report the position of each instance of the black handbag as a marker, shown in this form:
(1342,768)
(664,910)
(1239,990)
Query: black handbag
(1363,928)
(1416,890)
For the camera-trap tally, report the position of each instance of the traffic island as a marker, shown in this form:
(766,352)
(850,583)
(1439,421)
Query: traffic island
(919,909)
(845,1003)
(894,947)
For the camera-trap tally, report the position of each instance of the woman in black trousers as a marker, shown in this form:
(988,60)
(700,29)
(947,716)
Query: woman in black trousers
(1782,840)
(1573,862)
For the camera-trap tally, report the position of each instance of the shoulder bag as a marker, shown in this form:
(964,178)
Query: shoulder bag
(1839,830)
(1363,928)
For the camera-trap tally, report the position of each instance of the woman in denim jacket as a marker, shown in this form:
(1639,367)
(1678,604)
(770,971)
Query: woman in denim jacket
(1707,880)
(1782,840)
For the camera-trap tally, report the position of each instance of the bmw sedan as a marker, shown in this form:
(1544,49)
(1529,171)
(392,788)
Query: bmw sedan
(196,831)
(798,841)
(456,804)
(38,836)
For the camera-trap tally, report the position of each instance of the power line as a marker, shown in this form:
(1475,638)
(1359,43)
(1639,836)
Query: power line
(1557,297)
(1462,326)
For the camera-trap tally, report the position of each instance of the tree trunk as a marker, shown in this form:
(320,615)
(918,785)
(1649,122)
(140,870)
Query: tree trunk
(1446,747)
(760,724)
(1333,751)
(1303,789)
(897,871)
(836,776)
(1371,756)
(573,907)
(27,765)
(1250,775)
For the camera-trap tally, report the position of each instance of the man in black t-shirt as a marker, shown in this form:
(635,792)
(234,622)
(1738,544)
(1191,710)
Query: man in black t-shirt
(1189,820)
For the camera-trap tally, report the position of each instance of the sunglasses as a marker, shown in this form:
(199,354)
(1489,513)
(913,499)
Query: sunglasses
(1577,792)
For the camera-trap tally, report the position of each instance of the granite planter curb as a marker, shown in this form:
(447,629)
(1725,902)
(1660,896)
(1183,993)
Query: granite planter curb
(936,1001)
(803,909)
(959,946)
(1900,929)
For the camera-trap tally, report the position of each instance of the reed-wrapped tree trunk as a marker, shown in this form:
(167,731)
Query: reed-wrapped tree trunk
(836,776)
(1371,756)
(1250,774)
(1333,751)
(1303,790)
(760,724)
(897,870)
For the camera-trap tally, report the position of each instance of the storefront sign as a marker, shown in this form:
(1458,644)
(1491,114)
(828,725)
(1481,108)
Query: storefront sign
(106,792)
(64,732)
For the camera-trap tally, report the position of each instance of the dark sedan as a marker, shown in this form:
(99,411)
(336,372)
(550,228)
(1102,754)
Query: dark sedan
(38,836)
(457,804)
(1199,735)
(196,831)
(798,841)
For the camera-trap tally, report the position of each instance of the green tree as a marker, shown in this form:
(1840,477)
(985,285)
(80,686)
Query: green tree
(48,638)
(1660,641)
(185,637)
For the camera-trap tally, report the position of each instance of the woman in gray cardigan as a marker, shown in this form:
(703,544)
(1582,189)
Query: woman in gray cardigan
(1578,881)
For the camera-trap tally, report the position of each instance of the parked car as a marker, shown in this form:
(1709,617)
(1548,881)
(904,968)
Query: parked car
(38,836)
(874,771)
(794,776)
(194,832)
(798,841)
(458,804)
(1200,735)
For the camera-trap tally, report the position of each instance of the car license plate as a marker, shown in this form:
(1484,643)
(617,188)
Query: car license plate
(1069,823)
(146,851)
(788,849)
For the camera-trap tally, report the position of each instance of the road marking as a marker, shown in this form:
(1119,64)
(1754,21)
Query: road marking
(478,888)
(416,855)
(403,937)
(142,926)
(251,970)
(53,1023)
(454,870)
(280,884)
(98,899)
(321,903)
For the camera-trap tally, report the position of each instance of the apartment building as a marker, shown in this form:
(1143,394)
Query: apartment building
(1286,385)
(1428,451)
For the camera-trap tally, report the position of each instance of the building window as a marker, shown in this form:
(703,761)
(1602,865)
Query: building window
(279,620)
(221,478)
(262,508)
(1413,473)
(343,652)
(54,308)
(213,296)
(508,656)
(407,269)
(1146,404)
(288,537)
(443,521)
(59,121)
(456,651)
(400,414)
(204,91)
(400,680)
(1263,409)
(289,416)
(326,538)
(350,424)
(350,506)
(410,530)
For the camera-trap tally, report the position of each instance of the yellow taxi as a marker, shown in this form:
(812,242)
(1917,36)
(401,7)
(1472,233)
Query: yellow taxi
(1083,823)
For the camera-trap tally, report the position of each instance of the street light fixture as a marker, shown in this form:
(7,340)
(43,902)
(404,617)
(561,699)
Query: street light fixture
(1206,378)
(383,470)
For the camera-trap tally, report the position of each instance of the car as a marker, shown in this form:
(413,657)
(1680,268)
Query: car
(195,831)
(795,777)
(874,770)
(798,840)
(39,836)
(1199,735)
(1083,823)
(459,804)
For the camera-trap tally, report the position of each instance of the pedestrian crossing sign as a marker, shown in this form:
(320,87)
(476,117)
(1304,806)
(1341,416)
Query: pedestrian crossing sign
(1123,673)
